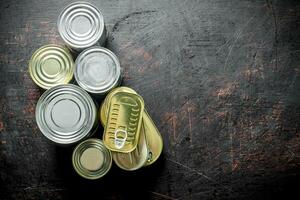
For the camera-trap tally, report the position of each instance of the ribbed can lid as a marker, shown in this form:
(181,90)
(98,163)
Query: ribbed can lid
(124,121)
(153,137)
(97,70)
(65,114)
(51,65)
(81,25)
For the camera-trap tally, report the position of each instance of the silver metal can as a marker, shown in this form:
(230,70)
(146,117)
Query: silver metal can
(66,114)
(81,25)
(97,70)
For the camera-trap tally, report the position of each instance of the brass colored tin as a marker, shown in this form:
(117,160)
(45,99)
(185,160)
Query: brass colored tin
(124,120)
(51,65)
(153,137)
(91,159)
(135,159)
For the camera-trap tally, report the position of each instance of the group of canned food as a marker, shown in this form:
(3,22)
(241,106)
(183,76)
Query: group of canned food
(66,113)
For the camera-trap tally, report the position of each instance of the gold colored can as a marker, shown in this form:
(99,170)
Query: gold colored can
(51,65)
(153,137)
(124,119)
(91,159)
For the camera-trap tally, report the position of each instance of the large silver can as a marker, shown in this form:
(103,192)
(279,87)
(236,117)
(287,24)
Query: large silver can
(97,70)
(81,25)
(66,114)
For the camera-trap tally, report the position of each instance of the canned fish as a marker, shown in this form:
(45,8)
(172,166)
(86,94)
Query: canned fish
(81,25)
(135,159)
(153,137)
(97,70)
(66,114)
(51,65)
(91,159)
(124,119)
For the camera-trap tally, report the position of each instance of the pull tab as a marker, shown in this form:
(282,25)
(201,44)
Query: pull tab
(149,157)
(120,138)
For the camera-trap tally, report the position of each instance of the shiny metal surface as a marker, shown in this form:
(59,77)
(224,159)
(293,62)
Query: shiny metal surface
(135,159)
(153,137)
(97,70)
(66,114)
(51,65)
(91,159)
(81,25)
(124,120)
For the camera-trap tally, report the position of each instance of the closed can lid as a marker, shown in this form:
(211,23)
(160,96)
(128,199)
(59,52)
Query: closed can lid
(65,114)
(122,129)
(153,137)
(97,70)
(51,65)
(81,25)
(91,159)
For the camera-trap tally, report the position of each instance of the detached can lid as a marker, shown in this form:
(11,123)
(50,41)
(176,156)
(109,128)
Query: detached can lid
(65,114)
(91,159)
(51,65)
(81,25)
(97,70)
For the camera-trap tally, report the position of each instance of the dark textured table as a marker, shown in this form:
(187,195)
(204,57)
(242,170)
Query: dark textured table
(219,78)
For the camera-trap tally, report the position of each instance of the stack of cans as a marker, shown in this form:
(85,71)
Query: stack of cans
(129,132)
(67,112)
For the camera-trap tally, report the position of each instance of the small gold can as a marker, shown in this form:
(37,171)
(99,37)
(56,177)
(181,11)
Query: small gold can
(51,65)
(91,159)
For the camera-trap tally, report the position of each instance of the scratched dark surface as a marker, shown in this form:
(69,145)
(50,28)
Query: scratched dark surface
(219,78)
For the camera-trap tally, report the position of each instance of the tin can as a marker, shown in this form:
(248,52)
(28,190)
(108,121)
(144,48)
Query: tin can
(124,119)
(97,70)
(135,159)
(81,25)
(66,114)
(91,159)
(153,137)
(51,65)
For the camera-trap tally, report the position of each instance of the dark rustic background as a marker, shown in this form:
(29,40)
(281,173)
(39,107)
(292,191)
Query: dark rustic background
(220,79)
